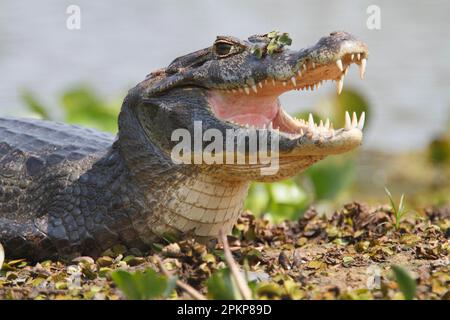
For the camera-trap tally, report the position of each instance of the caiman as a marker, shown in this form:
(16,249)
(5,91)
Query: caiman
(67,190)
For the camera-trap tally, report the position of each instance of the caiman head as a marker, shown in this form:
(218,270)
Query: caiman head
(235,84)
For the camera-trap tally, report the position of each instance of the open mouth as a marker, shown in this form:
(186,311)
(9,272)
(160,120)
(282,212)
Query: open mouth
(257,105)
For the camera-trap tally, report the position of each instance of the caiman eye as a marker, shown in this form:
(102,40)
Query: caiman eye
(222,48)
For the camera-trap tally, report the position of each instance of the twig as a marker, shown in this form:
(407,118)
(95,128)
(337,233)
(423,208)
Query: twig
(190,290)
(2,256)
(240,281)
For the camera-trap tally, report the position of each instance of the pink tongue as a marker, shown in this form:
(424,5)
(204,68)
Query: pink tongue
(256,120)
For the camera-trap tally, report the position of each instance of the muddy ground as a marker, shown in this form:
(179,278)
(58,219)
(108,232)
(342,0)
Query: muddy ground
(347,255)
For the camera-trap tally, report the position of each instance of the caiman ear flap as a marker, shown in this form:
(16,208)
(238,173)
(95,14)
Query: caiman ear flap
(194,59)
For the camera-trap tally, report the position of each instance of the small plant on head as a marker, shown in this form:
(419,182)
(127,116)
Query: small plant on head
(400,211)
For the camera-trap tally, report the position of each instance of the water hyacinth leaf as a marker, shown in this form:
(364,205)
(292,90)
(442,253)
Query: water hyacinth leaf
(257,52)
(284,39)
(272,46)
(406,283)
(272,34)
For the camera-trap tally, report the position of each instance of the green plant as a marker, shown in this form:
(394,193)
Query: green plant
(143,285)
(400,211)
(221,286)
(81,105)
(406,283)
(280,200)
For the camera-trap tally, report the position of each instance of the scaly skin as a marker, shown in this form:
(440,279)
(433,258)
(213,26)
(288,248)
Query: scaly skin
(66,190)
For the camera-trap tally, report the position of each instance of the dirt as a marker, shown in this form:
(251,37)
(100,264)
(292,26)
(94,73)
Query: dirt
(348,255)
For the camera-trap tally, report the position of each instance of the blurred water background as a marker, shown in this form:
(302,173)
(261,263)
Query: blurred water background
(120,42)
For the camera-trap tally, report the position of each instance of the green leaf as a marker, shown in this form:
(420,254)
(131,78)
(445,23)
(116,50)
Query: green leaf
(221,286)
(34,105)
(83,106)
(391,200)
(287,192)
(143,285)
(257,52)
(272,46)
(400,205)
(284,39)
(272,34)
(257,199)
(405,282)
(331,176)
(125,281)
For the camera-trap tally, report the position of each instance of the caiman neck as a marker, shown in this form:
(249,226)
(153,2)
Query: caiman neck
(180,199)
(200,204)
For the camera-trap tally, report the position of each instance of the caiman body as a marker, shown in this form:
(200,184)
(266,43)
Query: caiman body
(67,190)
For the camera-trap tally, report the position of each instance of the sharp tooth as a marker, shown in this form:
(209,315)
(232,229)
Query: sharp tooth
(247,90)
(348,122)
(318,84)
(247,125)
(362,68)
(260,84)
(254,89)
(354,120)
(327,123)
(340,85)
(265,81)
(284,83)
(240,90)
(331,126)
(233,90)
(270,126)
(304,66)
(361,121)
(358,56)
(339,65)
(273,82)
(311,121)
(352,56)
(313,65)
(321,124)
(301,132)
(299,72)
(294,82)
(332,132)
(311,87)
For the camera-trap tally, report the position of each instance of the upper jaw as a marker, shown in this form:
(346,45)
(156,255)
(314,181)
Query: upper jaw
(329,59)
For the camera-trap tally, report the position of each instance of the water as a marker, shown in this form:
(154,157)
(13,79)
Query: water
(120,42)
